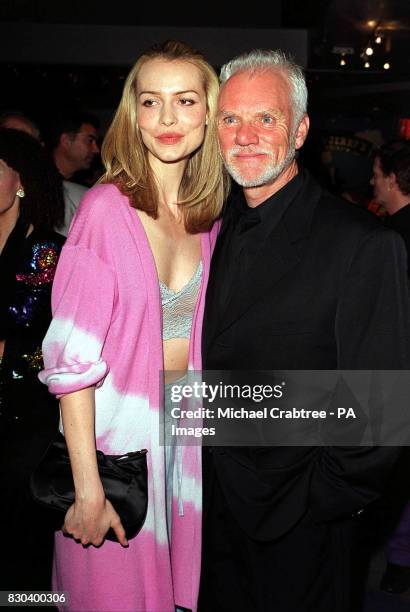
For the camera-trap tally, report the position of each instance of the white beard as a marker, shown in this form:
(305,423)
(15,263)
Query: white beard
(271,172)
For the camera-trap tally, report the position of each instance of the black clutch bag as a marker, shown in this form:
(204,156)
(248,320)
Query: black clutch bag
(124,478)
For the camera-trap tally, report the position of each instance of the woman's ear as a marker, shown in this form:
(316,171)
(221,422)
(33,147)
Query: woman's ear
(19,187)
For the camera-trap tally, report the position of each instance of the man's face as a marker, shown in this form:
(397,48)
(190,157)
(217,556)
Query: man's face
(381,184)
(255,129)
(82,146)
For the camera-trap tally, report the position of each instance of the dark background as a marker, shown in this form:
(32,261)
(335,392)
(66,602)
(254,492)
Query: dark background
(59,54)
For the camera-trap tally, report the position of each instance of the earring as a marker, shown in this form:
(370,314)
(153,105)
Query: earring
(20,193)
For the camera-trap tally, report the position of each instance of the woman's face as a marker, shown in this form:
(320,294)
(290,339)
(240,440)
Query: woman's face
(172,109)
(9,184)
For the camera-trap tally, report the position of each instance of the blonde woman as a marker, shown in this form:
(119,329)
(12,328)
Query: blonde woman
(128,303)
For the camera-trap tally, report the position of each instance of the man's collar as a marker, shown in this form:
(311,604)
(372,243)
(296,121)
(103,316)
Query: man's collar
(264,210)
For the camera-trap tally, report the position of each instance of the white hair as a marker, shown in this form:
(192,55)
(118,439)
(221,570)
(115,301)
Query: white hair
(263,59)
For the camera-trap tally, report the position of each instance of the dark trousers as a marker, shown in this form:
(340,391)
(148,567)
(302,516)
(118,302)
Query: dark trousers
(307,570)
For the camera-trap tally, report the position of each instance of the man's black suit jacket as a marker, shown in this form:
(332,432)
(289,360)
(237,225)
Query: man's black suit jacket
(328,290)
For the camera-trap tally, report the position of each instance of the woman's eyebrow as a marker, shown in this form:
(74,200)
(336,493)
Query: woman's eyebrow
(156,93)
(177,93)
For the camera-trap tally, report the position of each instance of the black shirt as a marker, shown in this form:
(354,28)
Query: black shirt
(248,228)
(400,222)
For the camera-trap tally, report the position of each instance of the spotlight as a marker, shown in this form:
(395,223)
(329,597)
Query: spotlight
(386,66)
(367,65)
(378,39)
(369,51)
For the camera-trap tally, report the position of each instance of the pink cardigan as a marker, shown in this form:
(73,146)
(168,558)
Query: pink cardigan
(106,331)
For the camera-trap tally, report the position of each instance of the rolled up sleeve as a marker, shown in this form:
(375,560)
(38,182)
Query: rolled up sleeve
(83,299)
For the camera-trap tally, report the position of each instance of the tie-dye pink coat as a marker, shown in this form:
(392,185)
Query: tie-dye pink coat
(106,331)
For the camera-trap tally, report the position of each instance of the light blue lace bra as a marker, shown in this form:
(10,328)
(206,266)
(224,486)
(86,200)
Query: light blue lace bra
(178,307)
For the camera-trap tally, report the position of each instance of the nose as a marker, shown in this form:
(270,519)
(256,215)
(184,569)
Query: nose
(246,134)
(95,148)
(168,116)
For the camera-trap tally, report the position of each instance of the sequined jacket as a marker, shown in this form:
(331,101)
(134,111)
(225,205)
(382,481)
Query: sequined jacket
(29,315)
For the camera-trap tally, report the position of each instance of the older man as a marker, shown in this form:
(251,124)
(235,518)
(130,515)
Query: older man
(299,280)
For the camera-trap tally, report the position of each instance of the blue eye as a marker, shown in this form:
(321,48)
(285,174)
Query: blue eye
(229,120)
(267,119)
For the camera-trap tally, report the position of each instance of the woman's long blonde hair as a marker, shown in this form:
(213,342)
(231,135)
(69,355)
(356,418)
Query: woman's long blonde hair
(205,183)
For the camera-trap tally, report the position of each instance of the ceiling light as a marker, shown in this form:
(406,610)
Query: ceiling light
(386,66)
(367,65)
(369,51)
(378,39)
(343,62)
(371,23)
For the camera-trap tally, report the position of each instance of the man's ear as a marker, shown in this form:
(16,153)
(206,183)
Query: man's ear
(392,181)
(65,141)
(302,131)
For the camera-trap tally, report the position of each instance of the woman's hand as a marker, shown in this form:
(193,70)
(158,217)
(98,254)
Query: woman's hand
(88,521)
(91,515)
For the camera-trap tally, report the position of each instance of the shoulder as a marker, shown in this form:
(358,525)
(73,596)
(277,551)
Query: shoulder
(100,221)
(353,232)
(101,199)
(100,208)
(337,228)
(344,216)
(74,191)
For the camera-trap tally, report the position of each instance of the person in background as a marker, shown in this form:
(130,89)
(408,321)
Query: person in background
(391,185)
(127,305)
(30,206)
(17,120)
(71,192)
(72,140)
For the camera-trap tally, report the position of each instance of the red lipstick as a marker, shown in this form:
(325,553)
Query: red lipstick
(170,138)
